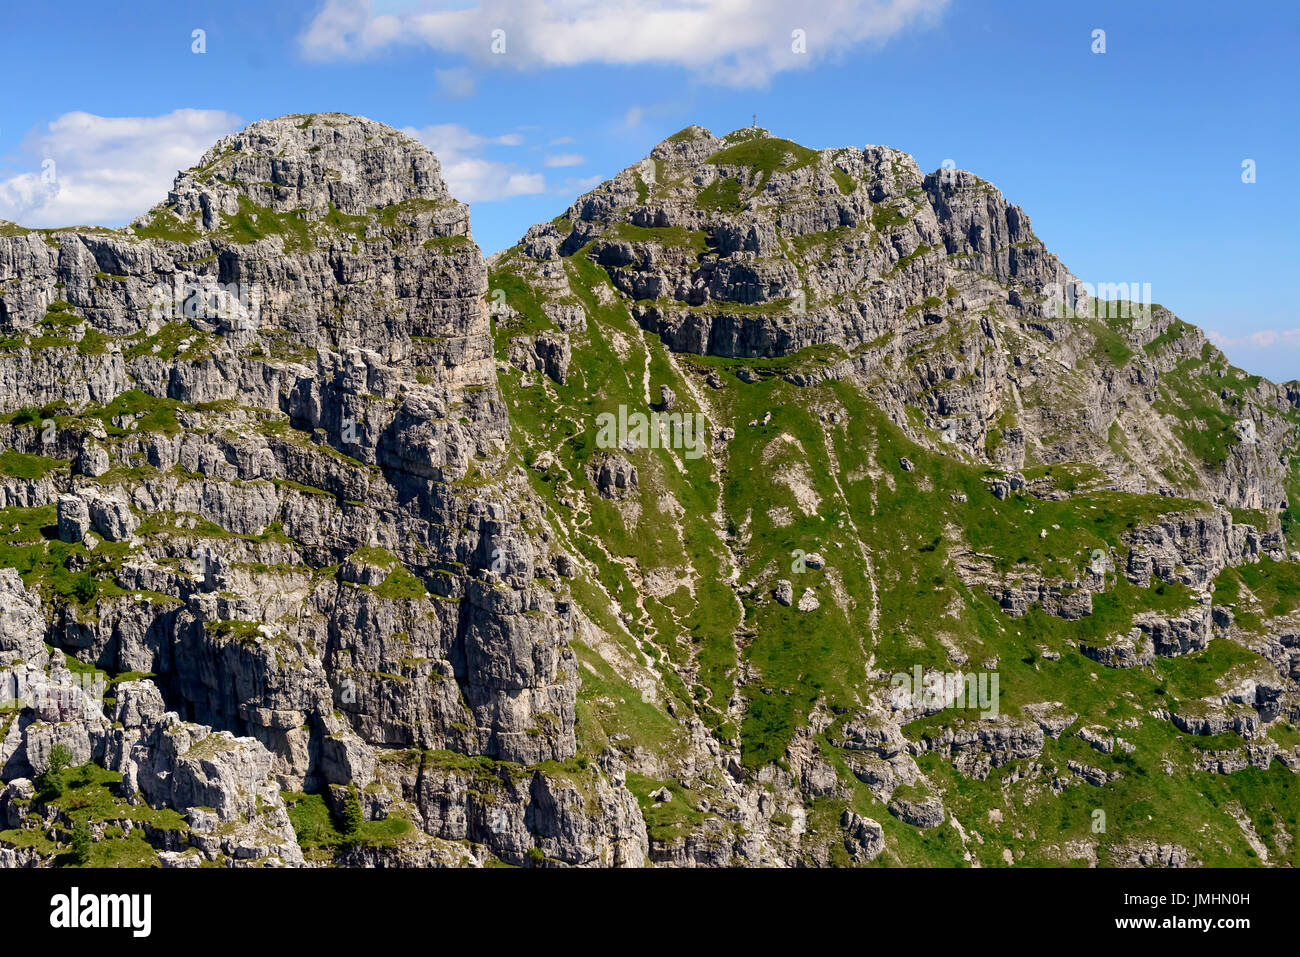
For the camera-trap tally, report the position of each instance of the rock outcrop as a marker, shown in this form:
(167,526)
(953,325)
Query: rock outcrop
(286,505)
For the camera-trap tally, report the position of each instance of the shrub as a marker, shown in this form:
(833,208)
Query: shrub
(84,587)
(351,818)
(49,784)
(81,843)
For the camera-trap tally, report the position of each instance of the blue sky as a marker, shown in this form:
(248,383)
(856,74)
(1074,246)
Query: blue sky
(1128,162)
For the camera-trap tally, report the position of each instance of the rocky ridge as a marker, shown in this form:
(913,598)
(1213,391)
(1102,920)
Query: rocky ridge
(317,555)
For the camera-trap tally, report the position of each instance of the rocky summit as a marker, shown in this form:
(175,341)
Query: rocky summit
(768,507)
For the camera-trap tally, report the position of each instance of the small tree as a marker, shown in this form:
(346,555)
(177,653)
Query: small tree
(50,781)
(84,587)
(351,818)
(81,843)
(60,759)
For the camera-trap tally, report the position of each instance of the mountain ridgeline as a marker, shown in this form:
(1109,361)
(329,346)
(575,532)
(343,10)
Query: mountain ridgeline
(768,506)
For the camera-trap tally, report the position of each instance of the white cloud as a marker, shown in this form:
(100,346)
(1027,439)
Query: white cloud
(1261,339)
(733,42)
(576,186)
(566,159)
(455,82)
(560,141)
(106,169)
(632,118)
(453,138)
(472,177)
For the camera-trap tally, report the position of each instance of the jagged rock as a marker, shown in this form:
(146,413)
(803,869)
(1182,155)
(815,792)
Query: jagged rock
(925,813)
(15,799)
(74,518)
(808,600)
(1098,739)
(1134,650)
(179,859)
(784,592)
(1094,776)
(22,624)
(1230,762)
(871,731)
(864,838)
(1059,600)
(92,460)
(547,352)
(1193,548)
(111,517)
(1051,716)
(883,775)
(291,680)
(614,476)
(568,316)
(542,241)
(1149,854)
(1177,635)
(575,820)
(1211,718)
(1001,740)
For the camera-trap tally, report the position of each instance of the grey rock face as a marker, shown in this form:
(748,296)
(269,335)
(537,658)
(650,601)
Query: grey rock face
(1192,549)
(325,561)
(1150,854)
(1178,635)
(92,459)
(22,624)
(925,813)
(1097,777)
(74,518)
(613,475)
(1002,740)
(1051,716)
(111,516)
(571,818)
(863,838)
(547,353)
(1134,650)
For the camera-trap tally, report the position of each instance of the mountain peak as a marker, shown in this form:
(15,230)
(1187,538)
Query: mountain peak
(751,246)
(744,133)
(313,164)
